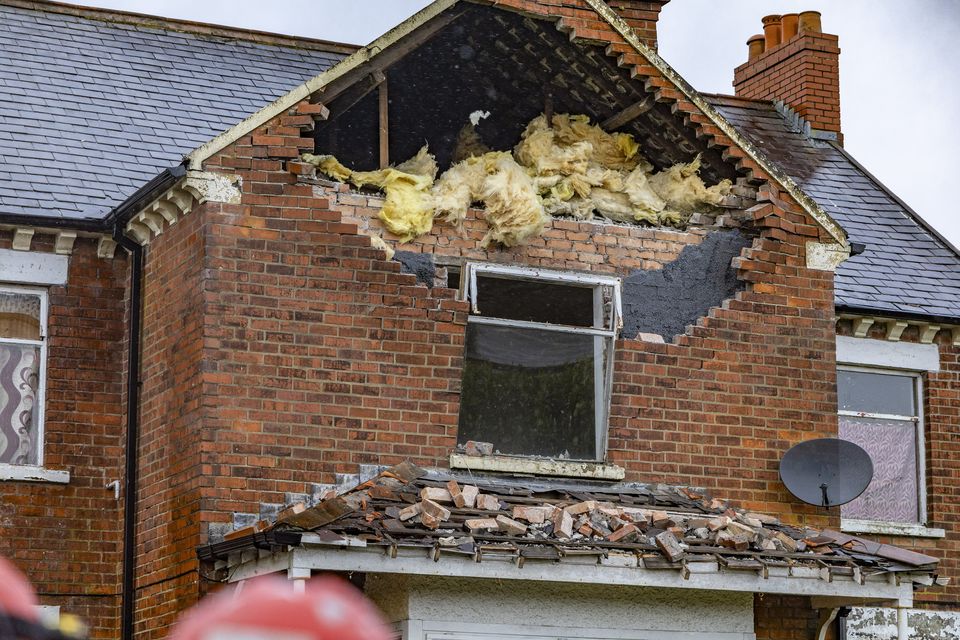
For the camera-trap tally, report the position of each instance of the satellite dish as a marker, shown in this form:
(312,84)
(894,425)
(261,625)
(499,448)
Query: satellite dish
(826,472)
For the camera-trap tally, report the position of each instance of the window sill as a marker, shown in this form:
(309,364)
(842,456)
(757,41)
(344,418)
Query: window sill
(537,466)
(890,529)
(30,473)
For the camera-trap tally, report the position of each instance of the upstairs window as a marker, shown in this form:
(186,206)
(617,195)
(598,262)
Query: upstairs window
(880,411)
(23,316)
(539,361)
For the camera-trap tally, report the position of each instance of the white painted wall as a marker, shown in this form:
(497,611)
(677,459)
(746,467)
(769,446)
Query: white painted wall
(434,608)
(874,623)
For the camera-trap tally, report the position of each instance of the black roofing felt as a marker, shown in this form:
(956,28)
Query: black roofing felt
(906,268)
(91,110)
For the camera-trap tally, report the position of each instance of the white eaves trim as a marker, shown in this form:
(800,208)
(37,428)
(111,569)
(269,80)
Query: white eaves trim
(909,356)
(299,562)
(30,473)
(198,156)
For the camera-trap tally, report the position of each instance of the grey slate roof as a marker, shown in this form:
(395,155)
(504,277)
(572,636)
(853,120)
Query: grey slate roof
(91,110)
(906,267)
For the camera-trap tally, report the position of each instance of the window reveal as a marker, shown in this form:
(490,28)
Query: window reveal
(538,361)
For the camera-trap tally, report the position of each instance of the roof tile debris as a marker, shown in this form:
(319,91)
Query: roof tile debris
(89,102)
(658,527)
(906,268)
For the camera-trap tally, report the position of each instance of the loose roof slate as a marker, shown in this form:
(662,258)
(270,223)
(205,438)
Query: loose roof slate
(90,110)
(659,527)
(906,269)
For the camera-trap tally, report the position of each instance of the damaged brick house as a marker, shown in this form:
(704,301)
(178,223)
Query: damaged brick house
(201,360)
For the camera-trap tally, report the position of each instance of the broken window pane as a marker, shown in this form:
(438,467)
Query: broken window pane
(893,493)
(532,391)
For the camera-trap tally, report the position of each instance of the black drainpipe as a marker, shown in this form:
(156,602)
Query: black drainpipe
(133,432)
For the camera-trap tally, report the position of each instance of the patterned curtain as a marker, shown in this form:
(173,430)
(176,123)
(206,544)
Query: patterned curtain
(19,379)
(892,444)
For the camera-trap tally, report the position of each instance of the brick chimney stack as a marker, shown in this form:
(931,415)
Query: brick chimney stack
(642,15)
(794,62)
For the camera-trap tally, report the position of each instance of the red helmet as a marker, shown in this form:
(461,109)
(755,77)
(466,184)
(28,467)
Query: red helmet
(268,608)
(17,598)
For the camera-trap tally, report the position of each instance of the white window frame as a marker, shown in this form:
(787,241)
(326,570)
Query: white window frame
(34,472)
(603,385)
(885,526)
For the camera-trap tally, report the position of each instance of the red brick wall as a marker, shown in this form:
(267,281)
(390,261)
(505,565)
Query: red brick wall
(68,537)
(786,618)
(171,436)
(804,73)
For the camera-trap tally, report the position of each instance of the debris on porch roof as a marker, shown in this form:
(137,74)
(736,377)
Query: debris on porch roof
(625,524)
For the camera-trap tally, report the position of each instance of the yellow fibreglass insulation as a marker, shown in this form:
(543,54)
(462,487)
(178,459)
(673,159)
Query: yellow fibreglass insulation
(564,167)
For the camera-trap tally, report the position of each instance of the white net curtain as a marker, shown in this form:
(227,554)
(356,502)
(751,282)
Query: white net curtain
(19,377)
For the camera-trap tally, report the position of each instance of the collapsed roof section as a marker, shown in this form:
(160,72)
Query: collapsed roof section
(515,67)
(407,512)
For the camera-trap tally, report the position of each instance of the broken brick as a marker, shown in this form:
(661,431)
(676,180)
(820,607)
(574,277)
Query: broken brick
(718,523)
(788,543)
(487,502)
(562,523)
(662,520)
(480,524)
(670,546)
(432,508)
(626,533)
(409,512)
(469,493)
(454,489)
(581,507)
(437,494)
(533,515)
(475,449)
(429,521)
(511,526)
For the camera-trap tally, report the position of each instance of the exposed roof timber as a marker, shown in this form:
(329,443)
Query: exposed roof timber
(785,181)
(629,114)
(319,82)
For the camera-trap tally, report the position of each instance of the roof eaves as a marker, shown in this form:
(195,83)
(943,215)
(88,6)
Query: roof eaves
(198,156)
(789,185)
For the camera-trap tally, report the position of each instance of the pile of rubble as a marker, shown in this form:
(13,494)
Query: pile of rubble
(659,526)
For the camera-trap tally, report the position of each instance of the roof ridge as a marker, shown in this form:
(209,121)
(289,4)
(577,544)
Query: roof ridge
(183,26)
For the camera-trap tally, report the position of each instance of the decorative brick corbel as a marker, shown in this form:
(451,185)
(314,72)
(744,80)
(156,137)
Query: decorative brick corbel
(194,189)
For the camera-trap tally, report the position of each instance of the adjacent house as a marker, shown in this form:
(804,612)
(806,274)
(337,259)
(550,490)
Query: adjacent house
(497,316)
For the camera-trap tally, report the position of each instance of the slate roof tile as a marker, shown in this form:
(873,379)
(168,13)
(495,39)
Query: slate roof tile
(108,101)
(906,268)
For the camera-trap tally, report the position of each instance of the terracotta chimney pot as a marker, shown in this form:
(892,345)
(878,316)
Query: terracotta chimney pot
(771,31)
(789,25)
(757,45)
(810,22)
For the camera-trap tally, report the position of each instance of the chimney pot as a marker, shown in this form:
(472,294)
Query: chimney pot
(789,25)
(757,45)
(810,22)
(771,30)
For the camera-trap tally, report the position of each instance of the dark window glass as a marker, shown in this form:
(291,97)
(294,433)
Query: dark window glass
(535,301)
(531,391)
(876,393)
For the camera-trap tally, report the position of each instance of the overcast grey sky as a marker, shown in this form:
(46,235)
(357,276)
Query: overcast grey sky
(899,75)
